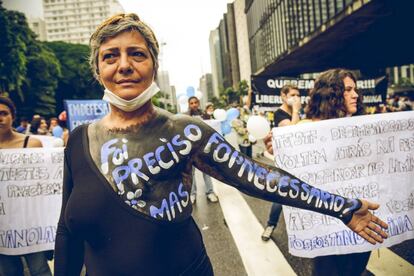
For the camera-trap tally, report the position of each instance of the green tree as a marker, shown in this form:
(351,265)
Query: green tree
(28,70)
(231,96)
(15,34)
(43,72)
(76,80)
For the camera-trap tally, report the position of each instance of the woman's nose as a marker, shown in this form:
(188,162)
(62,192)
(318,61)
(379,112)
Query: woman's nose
(125,66)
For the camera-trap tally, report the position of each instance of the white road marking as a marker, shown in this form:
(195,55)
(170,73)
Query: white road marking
(259,258)
(385,262)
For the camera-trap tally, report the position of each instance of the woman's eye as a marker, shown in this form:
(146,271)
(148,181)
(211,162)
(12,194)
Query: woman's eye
(108,56)
(138,54)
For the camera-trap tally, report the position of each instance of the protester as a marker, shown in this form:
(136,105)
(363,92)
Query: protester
(194,111)
(287,114)
(335,96)
(9,139)
(23,125)
(38,126)
(244,140)
(208,112)
(62,119)
(127,178)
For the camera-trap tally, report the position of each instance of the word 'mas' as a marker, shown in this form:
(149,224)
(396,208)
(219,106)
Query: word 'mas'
(168,204)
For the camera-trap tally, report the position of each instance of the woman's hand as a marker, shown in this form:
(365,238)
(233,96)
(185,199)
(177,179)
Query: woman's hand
(367,225)
(268,142)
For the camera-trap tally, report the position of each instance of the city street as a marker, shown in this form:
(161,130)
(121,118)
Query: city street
(232,233)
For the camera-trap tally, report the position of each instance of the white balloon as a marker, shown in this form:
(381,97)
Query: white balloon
(258,127)
(252,139)
(182,100)
(199,95)
(220,114)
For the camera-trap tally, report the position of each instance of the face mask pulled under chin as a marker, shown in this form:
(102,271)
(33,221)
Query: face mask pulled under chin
(133,104)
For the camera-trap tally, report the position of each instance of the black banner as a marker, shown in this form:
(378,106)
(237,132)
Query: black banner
(266,90)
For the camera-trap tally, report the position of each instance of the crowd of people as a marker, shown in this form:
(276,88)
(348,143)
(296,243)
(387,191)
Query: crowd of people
(126,215)
(55,126)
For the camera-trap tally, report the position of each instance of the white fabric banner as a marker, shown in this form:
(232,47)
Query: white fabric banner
(370,157)
(30,199)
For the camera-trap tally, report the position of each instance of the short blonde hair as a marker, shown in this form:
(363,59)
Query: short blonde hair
(115,25)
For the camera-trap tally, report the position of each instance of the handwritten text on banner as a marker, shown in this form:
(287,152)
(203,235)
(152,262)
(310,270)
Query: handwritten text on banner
(30,199)
(370,157)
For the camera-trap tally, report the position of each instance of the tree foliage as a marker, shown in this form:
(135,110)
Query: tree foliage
(231,96)
(28,70)
(76,80)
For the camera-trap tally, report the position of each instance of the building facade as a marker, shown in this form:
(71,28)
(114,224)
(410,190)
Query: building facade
(38,26)
(242,40)
(206,89)
(276,27)
(215,61)
(163,81)
(74,21)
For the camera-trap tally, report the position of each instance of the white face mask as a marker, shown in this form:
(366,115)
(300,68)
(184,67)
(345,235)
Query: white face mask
(290,101)
(133,104)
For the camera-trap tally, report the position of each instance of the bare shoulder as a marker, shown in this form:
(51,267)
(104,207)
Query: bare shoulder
(34,143)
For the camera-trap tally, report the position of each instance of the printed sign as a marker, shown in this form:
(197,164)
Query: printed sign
(30,199)
(266,90)
(81,112)
(369,157)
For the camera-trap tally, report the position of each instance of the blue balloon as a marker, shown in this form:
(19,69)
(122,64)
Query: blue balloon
(225,127)
(190,91)
(232,114)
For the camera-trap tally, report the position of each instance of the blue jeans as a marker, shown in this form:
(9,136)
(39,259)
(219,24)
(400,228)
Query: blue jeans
(274,214)
(207,182)
(13,265)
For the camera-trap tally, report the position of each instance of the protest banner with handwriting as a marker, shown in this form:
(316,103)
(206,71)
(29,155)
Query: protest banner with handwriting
(370,157)
(30,199)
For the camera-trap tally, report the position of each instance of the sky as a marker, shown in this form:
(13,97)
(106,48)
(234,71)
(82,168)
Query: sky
(182,28)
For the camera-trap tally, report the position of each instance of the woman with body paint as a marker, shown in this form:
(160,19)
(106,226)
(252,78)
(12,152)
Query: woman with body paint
(126,206)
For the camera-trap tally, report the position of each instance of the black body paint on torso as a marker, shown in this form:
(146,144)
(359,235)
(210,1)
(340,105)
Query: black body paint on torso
(150,168)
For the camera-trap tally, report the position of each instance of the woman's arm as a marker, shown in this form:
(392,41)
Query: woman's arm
(219,159)
(68,248)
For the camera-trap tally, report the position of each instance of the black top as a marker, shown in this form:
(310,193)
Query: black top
(119,234)
(280,115)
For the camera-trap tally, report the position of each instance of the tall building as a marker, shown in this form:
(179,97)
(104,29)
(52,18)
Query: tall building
(216,63)
(163,81)
(289,38)
(75,20)
(38,26)
(232,44)
(206,89)
(224,54)
(242,40)
(174,96)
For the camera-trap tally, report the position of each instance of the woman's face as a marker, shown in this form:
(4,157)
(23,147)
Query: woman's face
(43,124)
(210,109)
(125,65)
(6,119)
(291,94)
(350,96)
